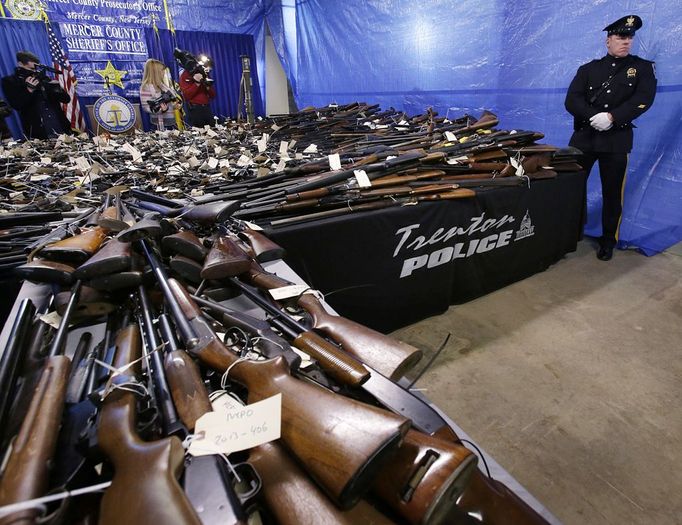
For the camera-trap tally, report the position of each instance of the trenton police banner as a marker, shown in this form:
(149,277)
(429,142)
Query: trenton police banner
(403,264)
(104,39)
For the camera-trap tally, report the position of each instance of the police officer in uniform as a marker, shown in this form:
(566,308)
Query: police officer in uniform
(604,98)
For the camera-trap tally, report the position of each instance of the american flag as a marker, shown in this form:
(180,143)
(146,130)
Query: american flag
(67,80)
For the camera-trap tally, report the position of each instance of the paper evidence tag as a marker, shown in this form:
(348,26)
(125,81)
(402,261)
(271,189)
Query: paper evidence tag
(237,428)
(283,148)
(335,161)
(244,160)
(518,166)
(312,148)
(252,226)
(287,292)
(362,178)
(450,136)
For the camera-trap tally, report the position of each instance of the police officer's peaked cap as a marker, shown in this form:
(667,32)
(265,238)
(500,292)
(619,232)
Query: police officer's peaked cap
(625,26)
(26,56)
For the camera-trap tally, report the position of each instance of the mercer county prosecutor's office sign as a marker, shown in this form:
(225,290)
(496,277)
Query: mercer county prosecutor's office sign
(95,32)
(482,234)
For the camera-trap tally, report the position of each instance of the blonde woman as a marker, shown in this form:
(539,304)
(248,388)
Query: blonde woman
(155,82)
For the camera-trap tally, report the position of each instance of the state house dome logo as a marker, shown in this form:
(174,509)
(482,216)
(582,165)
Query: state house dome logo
(24,9)
(114,113)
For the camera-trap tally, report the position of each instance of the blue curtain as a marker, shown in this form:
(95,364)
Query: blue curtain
(225,50)
(16,35)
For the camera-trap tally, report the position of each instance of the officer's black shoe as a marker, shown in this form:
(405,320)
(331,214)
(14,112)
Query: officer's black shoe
(605,253)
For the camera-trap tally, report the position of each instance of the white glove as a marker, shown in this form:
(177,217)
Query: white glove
(601,121)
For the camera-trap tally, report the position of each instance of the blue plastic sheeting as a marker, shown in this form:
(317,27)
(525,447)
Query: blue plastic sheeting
(238,16)
(514,58)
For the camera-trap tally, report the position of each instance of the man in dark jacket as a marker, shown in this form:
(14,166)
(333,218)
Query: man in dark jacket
(37,98)
(5,111)
(604,98)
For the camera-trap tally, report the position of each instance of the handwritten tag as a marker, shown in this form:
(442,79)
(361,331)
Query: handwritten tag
(335,161)
(450,136)
(287,292)
(45,160)
(240,428)
(362,178)
(244,160)
(212,163)
(312,148)
(283,148)
(275,127)
(193,162)
(82,164)
(262,144)
(280,166)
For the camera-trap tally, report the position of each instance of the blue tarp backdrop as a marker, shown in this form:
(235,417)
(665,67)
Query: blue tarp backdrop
(458,56)
(514,58)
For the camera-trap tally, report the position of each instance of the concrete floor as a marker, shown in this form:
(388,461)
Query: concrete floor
(572,381)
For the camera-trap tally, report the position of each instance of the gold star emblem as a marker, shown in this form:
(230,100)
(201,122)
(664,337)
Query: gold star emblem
(112,74)
(630,21)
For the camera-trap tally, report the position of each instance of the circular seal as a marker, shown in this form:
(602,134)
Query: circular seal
(114,113)
(24,9)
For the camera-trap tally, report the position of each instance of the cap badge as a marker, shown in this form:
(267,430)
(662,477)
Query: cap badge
(632,72)
(630,21)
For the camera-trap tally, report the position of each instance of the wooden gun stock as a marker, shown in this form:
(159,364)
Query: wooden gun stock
(186,244)
(46,271)
(187,388)
(264,249)
(295,500)
(343,443)
(425,479)
(225,260)
(388,356)
(26,475)
(145,487)
(490,499)
(115,256)
(78,248)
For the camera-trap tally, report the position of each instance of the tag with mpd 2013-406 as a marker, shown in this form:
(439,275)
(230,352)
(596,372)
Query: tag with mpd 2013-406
(233,428)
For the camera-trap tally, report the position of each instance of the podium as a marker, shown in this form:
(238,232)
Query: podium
(97,129)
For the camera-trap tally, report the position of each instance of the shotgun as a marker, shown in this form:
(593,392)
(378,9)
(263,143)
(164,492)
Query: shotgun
(341,442)
(155,497)
(26,474)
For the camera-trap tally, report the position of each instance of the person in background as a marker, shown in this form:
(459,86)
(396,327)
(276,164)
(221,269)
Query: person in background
(197,89)
(154,85)
(5,111)
(604,98)
(37,98)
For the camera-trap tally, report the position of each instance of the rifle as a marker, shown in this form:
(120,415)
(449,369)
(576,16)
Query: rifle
(76,249)
(209,213)
(155,497)
(115,256)
(9,362)
(342,462)
(460,193)
(294,499)
(26,473)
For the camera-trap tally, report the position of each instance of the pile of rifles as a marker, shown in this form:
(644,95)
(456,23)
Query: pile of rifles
(147,241)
